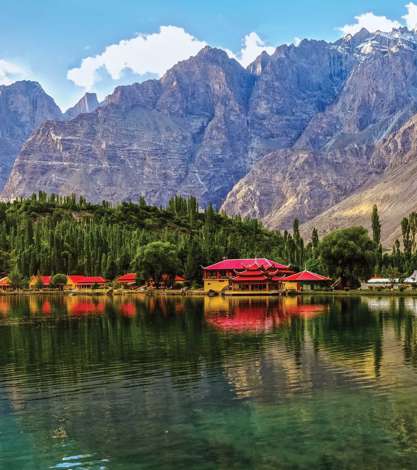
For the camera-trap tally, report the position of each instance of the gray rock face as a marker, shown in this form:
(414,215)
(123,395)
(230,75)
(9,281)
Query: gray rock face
(291,136)
(196,131)
(395,193)
(87,104)
(24,106)
(293,86)
(337,152)
(185,133)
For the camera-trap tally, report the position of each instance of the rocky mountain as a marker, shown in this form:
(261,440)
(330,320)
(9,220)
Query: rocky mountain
(292,135)
(336,153)
(87,104)
(395,193)
(186,132)
(197,131)
(24,106)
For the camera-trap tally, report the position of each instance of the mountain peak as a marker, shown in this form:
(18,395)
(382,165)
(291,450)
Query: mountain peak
(87,104)
(213,54)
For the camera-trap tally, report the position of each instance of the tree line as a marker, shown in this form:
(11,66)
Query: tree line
(49,234)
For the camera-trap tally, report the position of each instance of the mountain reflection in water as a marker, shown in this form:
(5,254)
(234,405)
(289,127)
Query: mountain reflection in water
(158,382)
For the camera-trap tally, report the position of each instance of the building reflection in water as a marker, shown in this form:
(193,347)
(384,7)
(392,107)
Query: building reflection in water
(4,307)
(241,315)
(85,306)
(128,309)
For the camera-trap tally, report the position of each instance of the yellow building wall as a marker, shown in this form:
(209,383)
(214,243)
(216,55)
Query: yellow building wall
(215,285)
(70,284)
(291,286)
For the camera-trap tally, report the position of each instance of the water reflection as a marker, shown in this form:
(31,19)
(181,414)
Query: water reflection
(162,382)
(248,315)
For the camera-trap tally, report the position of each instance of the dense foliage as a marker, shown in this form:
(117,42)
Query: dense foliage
(49,234)
(349,254)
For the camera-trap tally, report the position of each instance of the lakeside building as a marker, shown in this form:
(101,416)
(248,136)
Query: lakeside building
(256,279)
(411,279)
(75,281)
(304,280)
(45,280)
(218,276)
(258,276)
(129,280)
(5,283)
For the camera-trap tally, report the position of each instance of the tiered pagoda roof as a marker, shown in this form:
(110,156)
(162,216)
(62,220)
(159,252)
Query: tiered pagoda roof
(242,264)
(253,273)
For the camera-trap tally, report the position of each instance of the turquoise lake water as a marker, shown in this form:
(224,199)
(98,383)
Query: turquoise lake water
(155,383)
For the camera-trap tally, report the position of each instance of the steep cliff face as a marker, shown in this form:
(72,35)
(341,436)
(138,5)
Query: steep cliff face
(291,136)
(336,153)
(196,131)
(292,86)
(185,133)
(87,104)
(24,106)
(395,193)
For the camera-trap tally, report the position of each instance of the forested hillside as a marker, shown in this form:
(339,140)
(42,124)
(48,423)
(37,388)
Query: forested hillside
(49,234)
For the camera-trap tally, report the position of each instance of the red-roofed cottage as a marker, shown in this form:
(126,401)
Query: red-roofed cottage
(5,283)
(84,282)
(304,280)
(221,275)
(128,279)
(44,280)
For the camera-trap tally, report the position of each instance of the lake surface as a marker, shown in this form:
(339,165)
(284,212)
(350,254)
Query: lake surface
(154,383)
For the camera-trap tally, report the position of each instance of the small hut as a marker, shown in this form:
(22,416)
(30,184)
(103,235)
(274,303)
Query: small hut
(5,283)
(305,280)
(44,280)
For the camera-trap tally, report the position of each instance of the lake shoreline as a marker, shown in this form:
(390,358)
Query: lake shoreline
(202,294)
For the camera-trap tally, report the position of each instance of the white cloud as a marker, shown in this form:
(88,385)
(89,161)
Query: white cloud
(10,72)
(154,54)
(371,22)
(146,53)
(411,16)
(297,41)
(253,46)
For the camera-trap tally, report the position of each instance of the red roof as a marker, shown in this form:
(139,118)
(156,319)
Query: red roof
(250,276)
(306,276)
(129,277)
(77,279)
(46,280)
(5,281)
(254,273)
(239,264)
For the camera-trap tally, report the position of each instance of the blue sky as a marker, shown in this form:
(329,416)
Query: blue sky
(48,40)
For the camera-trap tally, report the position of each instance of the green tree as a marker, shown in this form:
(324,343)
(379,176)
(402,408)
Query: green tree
(16,279)
(376,226)
(111,268)
(157,258)
(315,241)
(59,280)
(348,254)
